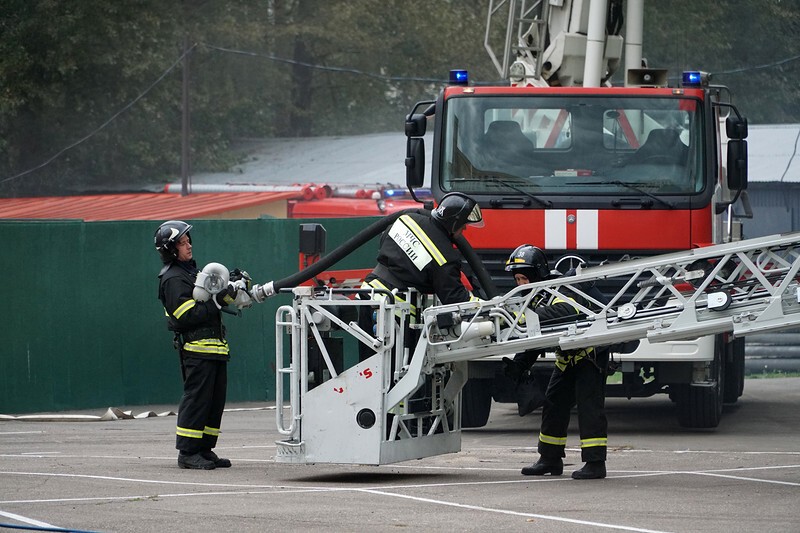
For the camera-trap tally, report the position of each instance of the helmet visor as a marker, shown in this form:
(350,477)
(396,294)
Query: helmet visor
(475,218)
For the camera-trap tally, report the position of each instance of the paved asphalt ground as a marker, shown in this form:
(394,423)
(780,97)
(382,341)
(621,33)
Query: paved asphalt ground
(122,476)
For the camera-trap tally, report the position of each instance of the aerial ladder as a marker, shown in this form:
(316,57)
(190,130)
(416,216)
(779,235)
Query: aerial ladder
(546,43)
(403,402)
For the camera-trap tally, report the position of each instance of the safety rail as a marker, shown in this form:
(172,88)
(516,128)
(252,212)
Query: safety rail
(393,429)
(281,371)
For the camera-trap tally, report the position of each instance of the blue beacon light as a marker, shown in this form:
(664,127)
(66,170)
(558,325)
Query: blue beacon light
(692,78)
(459,77)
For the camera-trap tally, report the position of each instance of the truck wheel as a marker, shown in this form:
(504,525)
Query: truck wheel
(476,403)
(700,406)
(734,371)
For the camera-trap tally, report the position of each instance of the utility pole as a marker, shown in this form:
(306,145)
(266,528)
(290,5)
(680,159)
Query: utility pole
(185,120)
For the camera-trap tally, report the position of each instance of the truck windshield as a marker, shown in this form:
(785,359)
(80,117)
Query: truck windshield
(575,145)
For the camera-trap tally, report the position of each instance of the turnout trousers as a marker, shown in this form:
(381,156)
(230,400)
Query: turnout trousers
(200,411)
(582,383)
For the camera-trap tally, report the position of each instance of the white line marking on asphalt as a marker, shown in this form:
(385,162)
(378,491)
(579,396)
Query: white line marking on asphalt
(134,480)
(26,520)
(508,512)
(742,478)
(49,455)
(258,486)
(745,468)
(39,453)
(247,447)
(167,495)
(724,452)
(268,489)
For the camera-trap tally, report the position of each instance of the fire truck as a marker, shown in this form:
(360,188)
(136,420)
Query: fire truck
(593,172)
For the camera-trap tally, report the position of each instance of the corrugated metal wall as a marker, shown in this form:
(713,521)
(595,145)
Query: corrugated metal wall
(82,325)
(776,209)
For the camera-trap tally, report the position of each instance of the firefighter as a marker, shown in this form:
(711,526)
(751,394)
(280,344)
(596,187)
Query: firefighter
(417,252)
(579,377)
(528,264)
(200,340)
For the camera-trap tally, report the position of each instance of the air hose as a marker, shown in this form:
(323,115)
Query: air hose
(261,292)
(484,279)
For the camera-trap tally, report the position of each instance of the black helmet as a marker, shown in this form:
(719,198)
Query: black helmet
(529,261)
(167,236)
(457,209)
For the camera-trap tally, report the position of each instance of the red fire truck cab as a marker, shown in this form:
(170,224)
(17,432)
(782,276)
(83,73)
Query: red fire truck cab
(596,175)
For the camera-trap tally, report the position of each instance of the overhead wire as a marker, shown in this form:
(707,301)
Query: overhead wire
(794,153)
(104,124)
(348,70)
(758,67)
(761,67)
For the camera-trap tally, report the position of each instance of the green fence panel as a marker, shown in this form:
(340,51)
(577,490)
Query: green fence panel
(83,326)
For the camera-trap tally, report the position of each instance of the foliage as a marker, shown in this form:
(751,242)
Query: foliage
(91,91)
(731,39)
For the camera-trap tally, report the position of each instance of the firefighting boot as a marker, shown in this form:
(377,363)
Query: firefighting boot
(195,462)
(219,462)
(591,470)
(554,467)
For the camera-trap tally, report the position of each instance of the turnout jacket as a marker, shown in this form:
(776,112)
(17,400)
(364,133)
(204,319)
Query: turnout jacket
(560,311)
(417,252)
(198,325)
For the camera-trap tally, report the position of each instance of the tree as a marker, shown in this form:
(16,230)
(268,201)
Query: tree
(732,39)
(90,91)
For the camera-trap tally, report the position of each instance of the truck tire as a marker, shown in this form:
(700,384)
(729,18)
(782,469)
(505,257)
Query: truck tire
(700,406)
(476,402)
(734,371)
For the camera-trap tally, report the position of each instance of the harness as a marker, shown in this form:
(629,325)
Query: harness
(204,333)
(379,284)
(205,340)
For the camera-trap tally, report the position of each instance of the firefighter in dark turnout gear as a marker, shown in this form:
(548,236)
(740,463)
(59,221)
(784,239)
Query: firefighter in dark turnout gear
(200,339)
(417,252)
(579,377)
(527,264)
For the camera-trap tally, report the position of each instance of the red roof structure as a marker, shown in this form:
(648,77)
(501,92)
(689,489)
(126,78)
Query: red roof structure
(148,206)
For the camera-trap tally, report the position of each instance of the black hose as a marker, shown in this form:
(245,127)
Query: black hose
(360,238)
(478,268)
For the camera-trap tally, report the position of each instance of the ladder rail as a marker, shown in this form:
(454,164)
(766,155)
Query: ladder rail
(521,18)
(724,288)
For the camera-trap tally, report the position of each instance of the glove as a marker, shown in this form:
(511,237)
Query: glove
(226,296)
(518,367)
(528,394)
(528,357)
(241,275)
(513,369)
(243,299)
